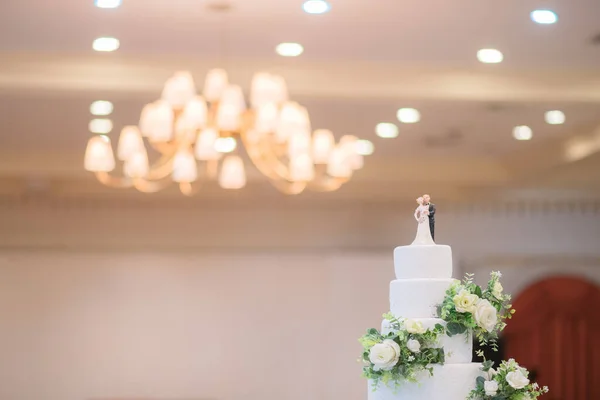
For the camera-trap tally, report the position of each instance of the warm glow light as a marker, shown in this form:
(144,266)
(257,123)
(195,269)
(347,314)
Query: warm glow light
(232,174)
(339,165)
(225,145)
(137,165)
(555,117)
(289,49)
(205,145)
(522,132)
(302,168)
(99,155)
(130,143)
(316,7)
(105,44)
(186,130)
(100,126)
(323,143)
(364,147)
(184,167)
(107,3)
(267,89)
(546,17)
(386,130)
(179,89)
(490,56)
(156,121)
(266,118)
(101,107)
(408,115)
(292,118)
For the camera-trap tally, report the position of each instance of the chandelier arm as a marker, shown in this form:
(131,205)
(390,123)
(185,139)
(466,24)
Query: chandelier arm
(290,188)
(117,182)
(265,161)
(146,186)
(328,184)
(188,189)
(161,168)
(164,147)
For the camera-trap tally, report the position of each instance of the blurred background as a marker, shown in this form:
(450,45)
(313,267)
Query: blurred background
(268,250)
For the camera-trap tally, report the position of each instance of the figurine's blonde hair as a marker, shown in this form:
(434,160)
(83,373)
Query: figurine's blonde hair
(420,200)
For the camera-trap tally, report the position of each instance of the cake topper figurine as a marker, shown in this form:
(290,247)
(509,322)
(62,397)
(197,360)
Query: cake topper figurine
(425,216)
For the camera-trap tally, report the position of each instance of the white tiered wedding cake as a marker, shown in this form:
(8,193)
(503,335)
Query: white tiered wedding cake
(424,349)
(423,275)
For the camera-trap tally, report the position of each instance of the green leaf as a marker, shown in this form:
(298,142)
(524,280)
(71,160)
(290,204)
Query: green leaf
(478,291)
(454,328)
(480,380)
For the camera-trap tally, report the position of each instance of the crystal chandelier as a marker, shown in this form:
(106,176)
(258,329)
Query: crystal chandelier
(199,138)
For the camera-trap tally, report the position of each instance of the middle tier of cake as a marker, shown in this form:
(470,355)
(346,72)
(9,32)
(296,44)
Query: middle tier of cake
(417,298)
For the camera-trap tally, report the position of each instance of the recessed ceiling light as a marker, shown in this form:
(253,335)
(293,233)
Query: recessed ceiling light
(107,3)
(316,6)
(490,56)
(408,115)
(106,44)
(225,145)
(364,147)
(544,17)
(289,49)
(386,130)
(101,126)
(101,107)
(555,117)
(522,132)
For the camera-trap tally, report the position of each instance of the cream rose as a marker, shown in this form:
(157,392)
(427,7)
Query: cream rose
(490,387)
(517,379)
(413,326)
(497,290)
(385,355)
(486,315)
(414,346)
(465,301)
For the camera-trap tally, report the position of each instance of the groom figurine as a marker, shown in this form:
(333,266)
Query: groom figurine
(427,202)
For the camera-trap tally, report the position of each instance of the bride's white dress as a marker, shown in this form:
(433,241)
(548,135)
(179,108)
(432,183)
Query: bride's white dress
(423,232)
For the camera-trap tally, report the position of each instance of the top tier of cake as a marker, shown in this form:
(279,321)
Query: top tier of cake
(421,262)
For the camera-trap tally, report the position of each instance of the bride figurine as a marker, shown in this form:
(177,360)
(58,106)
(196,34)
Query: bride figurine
(422,217)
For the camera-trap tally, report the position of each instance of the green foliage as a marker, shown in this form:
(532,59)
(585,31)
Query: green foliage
(409,363)
(458,323)
(531,391)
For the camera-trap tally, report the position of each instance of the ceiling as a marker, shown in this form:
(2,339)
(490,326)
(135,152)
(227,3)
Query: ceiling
(361,63)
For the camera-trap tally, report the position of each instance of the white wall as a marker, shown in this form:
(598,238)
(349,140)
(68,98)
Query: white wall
(252,303)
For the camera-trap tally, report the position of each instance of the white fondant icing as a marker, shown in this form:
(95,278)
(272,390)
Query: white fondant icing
(458,349)
(414,298)
(449,382)
(414,262)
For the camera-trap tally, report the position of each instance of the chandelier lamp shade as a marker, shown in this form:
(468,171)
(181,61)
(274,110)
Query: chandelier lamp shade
(200,137)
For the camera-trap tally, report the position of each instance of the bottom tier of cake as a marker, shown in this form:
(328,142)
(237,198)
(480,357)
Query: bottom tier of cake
(449,382)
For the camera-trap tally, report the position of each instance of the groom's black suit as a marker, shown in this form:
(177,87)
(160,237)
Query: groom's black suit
(432,219)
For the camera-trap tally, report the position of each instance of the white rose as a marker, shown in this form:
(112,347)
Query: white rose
(486,315)
(465,301)
(414,346)
(385,355)
(413,326)
(517,379)
(497,290)
(490,387)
